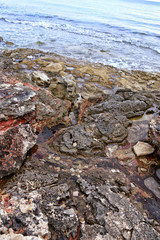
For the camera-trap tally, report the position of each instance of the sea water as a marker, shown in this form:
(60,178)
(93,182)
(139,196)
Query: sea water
(121,33)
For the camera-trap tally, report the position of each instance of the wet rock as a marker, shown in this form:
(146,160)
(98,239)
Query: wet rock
(8,43)
(143,148)
(40,78)
(22,214)
(14,145)
(53,68)
(153,186)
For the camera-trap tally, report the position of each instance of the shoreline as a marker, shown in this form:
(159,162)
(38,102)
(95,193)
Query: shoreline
(105,75)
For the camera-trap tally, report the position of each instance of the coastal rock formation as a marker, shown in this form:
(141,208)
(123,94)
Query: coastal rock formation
(81,179)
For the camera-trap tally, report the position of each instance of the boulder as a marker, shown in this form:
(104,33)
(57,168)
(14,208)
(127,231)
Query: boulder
(14,145)
(143,148)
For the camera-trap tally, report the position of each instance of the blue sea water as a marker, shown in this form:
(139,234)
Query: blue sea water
(121,33)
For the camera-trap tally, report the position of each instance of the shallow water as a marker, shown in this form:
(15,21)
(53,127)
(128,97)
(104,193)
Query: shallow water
(121,33)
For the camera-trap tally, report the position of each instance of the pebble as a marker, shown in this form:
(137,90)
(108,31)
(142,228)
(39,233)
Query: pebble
(75,193)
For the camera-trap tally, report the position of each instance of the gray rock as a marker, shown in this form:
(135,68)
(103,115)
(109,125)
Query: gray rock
(153,186)
(25,214)
(158,173)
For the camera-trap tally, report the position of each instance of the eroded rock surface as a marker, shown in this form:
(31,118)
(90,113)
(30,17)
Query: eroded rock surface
(14,145)
(82,179)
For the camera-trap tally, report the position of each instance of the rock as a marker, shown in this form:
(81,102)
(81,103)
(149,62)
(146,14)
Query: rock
(22,214)
(154,132)
(63,220)
(14,145)
(40,78)
(158,173)
(142,149)
(9,43)
(116,216)
(65,87)
(53,68)
(153,186)
(13,236)
(1,39)
(16,101)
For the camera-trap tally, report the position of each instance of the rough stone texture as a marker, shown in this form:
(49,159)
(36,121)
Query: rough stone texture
(118,218)
(13,236)
(16,101)
(89,138)
(40,78)
(53,68)
(142,149)
(14,145)
(96,189)
(64,87)
(153,185)
(129,108)
(22,214)
(154,132)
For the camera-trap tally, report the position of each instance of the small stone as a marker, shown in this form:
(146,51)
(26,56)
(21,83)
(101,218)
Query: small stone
(142,149)
(143,169)
(74,144)
(75,193)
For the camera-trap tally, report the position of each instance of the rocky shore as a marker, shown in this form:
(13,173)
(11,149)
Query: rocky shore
(79,150)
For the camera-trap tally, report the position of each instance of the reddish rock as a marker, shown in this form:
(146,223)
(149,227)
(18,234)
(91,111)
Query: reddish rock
(14,145)
(24,109)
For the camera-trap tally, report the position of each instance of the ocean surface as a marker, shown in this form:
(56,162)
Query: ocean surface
(121,33)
